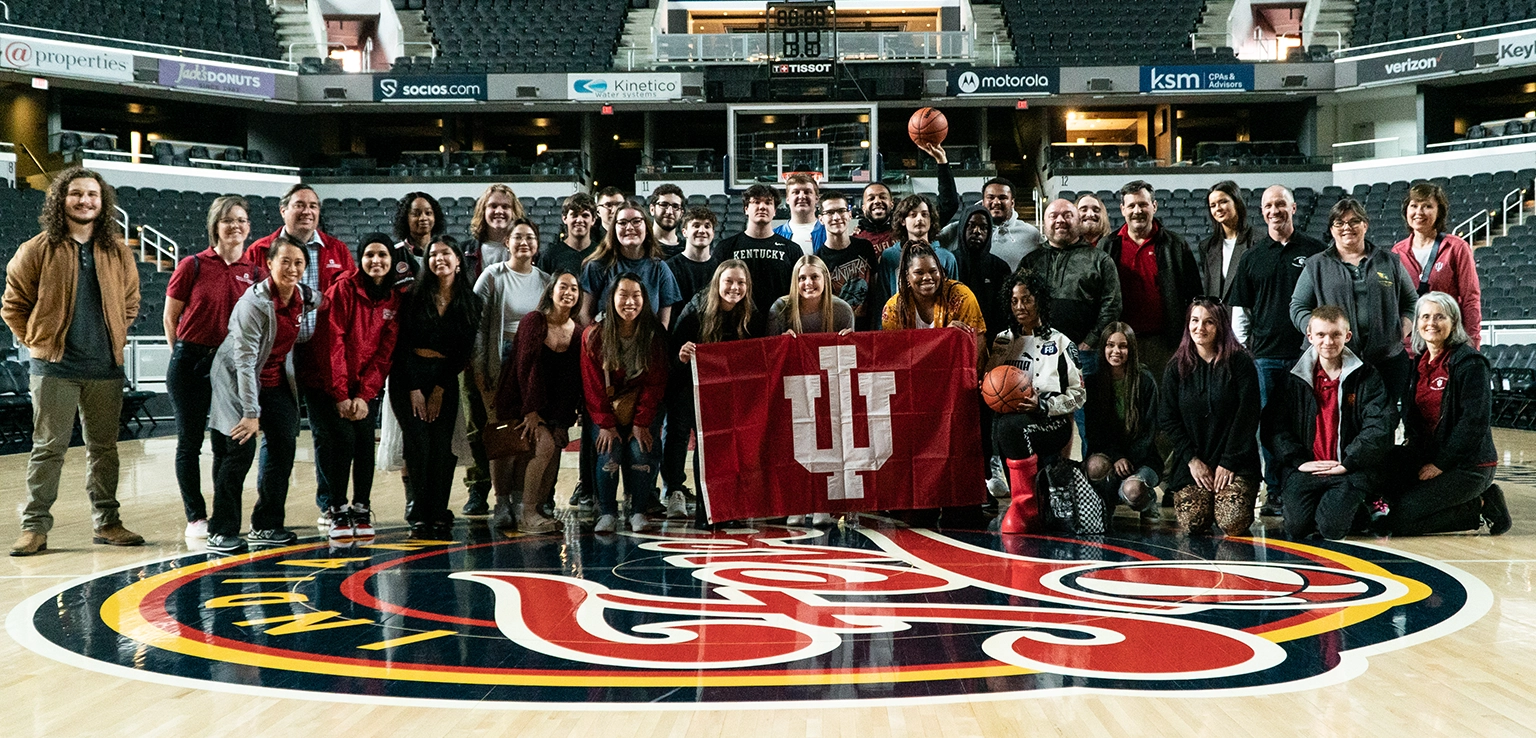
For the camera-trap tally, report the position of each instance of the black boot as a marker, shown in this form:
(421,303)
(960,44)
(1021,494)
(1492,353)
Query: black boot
(478,504)
(1496,511)
(504,517)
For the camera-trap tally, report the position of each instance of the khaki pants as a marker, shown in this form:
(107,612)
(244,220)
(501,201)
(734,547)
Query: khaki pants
(54,402)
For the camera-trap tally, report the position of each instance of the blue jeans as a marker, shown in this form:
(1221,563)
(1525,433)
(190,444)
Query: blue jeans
(1088,362)
(624,460)
(1271,373)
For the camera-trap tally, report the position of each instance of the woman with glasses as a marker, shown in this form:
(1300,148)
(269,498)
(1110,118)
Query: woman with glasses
(1450,455)
(1208,406)
(1437,260)
(198,302)
(629,247)
(1372,287)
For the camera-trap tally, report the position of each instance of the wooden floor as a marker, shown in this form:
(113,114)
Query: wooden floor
(1477,681)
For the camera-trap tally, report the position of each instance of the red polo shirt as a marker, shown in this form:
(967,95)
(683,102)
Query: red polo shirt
(210,288)
(1434,375)
(1325,436)
(287,332)
(1143,301)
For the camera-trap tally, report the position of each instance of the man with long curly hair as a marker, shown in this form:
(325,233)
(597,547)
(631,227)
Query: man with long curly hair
(70,294)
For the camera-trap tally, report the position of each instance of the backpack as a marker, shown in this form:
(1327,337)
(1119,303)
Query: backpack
(1072,502)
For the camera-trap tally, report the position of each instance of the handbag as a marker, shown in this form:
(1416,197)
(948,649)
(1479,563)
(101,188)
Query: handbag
(503,440)
(623,402)
(1073,502)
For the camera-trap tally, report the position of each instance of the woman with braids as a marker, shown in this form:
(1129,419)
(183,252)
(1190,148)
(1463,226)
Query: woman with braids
(418,220)
(1039,429)
(624,377)
(722,312)
(437,332)
(1209,408)
(541,383)
(927,298)
(1122,423)
(811,308)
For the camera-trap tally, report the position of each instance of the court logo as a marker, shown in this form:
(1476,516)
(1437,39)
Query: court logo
(745,616)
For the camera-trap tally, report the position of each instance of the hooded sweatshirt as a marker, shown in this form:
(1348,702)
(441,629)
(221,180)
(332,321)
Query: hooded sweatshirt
(1012,239)
(978,268)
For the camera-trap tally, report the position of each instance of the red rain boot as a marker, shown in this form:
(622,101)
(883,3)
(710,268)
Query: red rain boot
(1023,514)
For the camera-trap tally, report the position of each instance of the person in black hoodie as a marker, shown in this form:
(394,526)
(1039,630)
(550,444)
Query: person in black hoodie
(1122,423)
(1329,433)
(980,269)
(1450,439)
(1209,409)
(1158,274)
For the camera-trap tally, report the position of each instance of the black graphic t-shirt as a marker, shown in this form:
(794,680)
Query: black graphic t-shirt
(852,270)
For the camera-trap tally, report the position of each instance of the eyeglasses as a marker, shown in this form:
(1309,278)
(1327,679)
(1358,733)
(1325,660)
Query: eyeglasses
(836,213)
(668,206)
(1351,224)
(608,205)
(234,221)
(630,223)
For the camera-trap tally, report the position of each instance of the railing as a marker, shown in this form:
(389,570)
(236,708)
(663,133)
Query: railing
(1347,156)
(431,46)
(1468,142)
(854,46)
(163,245)
(122,220)
(146,47)
(7,10)
(240,166)
(1269,46)
(1518,205)
(1469,228)
(1425,40)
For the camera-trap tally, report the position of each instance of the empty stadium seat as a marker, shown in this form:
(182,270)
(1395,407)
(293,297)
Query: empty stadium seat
(243,27)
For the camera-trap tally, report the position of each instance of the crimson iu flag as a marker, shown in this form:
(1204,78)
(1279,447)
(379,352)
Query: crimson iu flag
(885,420)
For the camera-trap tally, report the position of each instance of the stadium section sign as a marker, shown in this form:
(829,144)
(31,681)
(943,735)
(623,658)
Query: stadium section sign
(1006,81)
(1205,78)
(429,88)
(187,75)
(69,60)
(619,87)
(1411,64)
(1518,49)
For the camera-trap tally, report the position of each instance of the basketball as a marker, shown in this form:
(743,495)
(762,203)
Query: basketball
(1005,388)
(927,126)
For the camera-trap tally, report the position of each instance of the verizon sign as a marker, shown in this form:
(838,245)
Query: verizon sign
(55,58)
(1412,64)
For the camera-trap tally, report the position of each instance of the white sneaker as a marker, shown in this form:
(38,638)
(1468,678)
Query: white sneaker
(324,521)
(795,520)
(677,506)
(197,529)
(606,524)
(822,520)
(638,522)
(998,487)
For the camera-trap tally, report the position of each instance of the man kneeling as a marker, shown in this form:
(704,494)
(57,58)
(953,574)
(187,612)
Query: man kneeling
(1330,431)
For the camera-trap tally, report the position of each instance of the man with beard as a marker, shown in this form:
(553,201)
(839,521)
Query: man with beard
(875,216)
(1012,238)
(1158,275)
(70,294)
(1085,285)
(801,192)
(666,213)
(850,260)
(1092,222)
(577,214)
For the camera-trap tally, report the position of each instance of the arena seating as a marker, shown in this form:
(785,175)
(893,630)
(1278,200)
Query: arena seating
(1383,21)
(1101,32)
(1513,383)
(527,36)
(242,27)
(1477,135)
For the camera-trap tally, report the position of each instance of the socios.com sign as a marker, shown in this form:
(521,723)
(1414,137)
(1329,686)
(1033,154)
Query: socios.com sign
(1204,78)
(1006,81)
(611,87)
(429,88)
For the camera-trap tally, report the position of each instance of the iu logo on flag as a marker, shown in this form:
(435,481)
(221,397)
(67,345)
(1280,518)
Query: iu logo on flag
(824,423)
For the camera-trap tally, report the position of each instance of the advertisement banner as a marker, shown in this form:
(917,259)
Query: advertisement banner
(429,88)
(45,58)
(1202,78)
(1517,49)
(1411,64)
(885,420)
(184,74)
(622,86)
(1004,81)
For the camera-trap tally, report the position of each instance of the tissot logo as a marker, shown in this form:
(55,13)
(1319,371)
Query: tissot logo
(816,68)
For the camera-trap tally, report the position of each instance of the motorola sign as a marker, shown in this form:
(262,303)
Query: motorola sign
(1203,78)
(1004,81)
(619,87)
(429,88)
(1412,64)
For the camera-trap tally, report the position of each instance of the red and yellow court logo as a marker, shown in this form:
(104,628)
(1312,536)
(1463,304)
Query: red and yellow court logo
(753,616)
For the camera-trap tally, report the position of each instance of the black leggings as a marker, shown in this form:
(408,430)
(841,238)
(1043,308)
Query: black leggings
(429,455)
(191,391)
(343,448)
(232,461)
(1448,503)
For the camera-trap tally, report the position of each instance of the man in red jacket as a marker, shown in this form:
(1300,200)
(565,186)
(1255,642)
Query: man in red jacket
(329,260)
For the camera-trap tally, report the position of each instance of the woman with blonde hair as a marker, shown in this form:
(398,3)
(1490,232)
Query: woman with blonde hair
(811,308)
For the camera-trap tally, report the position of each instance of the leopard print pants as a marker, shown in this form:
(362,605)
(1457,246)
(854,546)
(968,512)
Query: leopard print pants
(1231,507)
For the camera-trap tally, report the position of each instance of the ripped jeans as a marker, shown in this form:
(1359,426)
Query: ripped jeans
(637,468)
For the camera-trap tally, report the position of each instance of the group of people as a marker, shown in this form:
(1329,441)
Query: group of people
(1173,359)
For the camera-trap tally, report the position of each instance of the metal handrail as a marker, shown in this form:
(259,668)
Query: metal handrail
(7,10)
(33,157)
(153,238)
(1478,222)
(122,219)
(1518,194)
(1424,40)
(152,48)
(221,164)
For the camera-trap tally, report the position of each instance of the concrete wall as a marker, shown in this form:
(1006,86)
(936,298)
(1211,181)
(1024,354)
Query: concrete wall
(1387,112)
(1443,164)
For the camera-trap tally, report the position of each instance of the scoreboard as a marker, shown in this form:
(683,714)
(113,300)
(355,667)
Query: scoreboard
(802,39)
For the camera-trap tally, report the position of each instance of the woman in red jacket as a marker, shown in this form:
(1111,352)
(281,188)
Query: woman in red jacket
(624,374)
(1438,260)
(541,383)
(356,342)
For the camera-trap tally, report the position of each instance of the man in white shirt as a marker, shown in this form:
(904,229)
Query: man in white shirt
(803,228)
(1012,238)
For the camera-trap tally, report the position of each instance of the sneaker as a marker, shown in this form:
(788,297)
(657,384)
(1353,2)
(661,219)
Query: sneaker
(221,544)
(677,505)
(324,521)
(197,529)
(114,534)
(606,524)
(823,520)
(795,520)
(270,538)
(1496,511)
(362,520)
(341,523)
(639,522)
